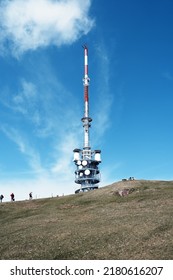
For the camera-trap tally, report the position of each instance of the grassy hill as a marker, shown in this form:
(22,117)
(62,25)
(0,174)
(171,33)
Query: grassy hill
(99,224)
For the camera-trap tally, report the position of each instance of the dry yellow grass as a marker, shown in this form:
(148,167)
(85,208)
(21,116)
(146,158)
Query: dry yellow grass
(94,225)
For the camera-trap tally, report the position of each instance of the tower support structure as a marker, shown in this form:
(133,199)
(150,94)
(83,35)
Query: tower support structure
(87,173)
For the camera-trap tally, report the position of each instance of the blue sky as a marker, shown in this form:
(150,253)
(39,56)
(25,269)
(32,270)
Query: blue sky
(41,91)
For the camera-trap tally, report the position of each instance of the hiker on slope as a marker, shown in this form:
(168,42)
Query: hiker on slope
(12,197)
(1,197)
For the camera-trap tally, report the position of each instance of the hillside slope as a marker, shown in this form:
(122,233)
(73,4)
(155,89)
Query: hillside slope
(99,224)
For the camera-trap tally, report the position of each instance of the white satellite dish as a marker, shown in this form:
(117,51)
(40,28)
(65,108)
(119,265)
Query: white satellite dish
(84,162)
(79,162)
(87,172)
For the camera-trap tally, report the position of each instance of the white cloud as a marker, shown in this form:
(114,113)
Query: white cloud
(105,97)
(26,101)
(28,25)
(42,105)
(63,165)
(24,147)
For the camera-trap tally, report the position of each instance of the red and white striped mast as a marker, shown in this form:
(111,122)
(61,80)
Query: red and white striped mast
(86,119)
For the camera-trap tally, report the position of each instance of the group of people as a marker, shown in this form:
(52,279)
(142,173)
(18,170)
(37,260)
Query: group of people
(13,197)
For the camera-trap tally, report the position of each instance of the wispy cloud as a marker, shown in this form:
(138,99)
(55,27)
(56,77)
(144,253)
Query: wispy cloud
(24,147)
(41,103)
(45,181)
(28,25)
(26,101)
(105,97)
(43,117)
(63,165)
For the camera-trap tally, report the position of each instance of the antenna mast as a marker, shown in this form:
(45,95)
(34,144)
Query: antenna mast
(86,160)
(86,119)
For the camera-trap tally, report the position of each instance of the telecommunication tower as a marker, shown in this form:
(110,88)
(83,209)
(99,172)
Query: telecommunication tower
(86,160)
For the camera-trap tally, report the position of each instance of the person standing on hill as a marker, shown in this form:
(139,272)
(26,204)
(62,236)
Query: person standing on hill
(1,197)
(12,197)
(30,195)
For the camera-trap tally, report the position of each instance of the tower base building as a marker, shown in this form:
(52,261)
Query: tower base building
(87,173)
